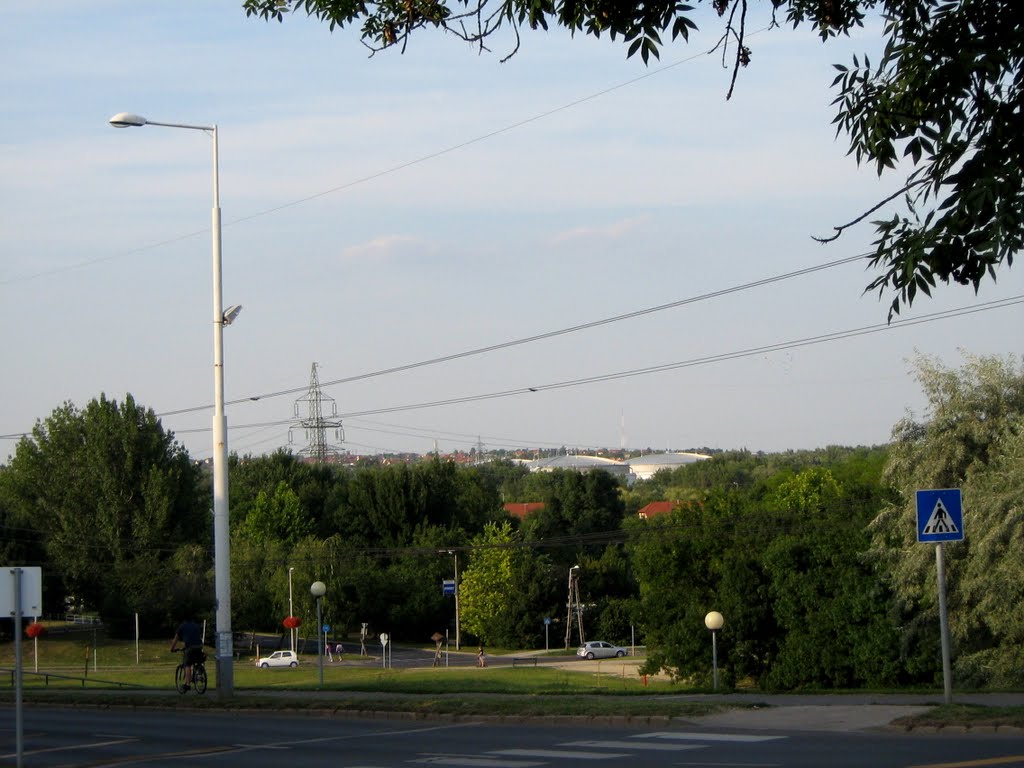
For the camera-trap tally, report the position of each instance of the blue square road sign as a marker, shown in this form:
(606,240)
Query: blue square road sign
(940,516)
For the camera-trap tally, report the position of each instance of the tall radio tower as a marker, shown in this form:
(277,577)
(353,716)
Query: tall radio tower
(316,426)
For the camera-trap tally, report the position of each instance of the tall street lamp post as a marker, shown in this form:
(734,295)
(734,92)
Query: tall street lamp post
(714,621)
(318,589)
(221,532)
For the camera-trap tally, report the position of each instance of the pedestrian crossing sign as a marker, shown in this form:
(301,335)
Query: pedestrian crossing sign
(940,516)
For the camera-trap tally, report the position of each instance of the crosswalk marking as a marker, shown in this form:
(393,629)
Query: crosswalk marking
(650,745)
(692,736)
(568,754)
(596,749)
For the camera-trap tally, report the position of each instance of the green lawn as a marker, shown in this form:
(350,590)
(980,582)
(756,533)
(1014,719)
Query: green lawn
(102,671)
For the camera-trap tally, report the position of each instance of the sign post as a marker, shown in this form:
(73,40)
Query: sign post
(940,519)
(20,589)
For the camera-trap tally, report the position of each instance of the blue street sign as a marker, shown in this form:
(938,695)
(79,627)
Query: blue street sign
(326,628)
(940,516)
(547,620)
(448,587)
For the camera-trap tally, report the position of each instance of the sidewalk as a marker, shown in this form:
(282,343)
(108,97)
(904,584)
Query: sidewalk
(838,712)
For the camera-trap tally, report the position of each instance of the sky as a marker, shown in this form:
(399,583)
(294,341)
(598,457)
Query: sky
(380,212)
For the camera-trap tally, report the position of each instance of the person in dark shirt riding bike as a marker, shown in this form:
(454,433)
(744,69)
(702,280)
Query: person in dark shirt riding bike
(190,635)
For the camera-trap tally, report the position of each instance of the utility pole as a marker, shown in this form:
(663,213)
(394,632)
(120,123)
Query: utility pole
(575,608)
(316,426)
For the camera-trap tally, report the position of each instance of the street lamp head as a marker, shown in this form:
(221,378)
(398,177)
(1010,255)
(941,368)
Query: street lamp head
(231,313)
(318,589)
(127,120)
(714,621)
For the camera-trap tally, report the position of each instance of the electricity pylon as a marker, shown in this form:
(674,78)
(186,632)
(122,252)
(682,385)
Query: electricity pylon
(316,426)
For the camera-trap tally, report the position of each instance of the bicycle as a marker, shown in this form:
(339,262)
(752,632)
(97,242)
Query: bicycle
(198,674)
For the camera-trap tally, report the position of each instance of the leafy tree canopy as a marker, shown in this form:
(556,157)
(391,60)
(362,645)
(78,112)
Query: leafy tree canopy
(970,438)
(946,95)
(112,497)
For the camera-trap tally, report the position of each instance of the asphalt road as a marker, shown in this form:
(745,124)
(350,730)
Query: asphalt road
(77,738)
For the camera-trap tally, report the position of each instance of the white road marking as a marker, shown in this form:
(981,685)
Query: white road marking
(475,762)
(650,745)
(70,747)
(690,736)
(568,754)
(261,746)
(731,765)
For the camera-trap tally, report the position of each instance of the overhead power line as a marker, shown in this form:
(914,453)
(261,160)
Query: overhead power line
(693,362)
(540,336)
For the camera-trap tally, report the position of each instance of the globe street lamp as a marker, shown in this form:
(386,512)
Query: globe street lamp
(318,589)
(221,317)
(714,622)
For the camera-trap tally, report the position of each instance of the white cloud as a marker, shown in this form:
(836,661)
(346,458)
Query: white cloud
(612,230)
(385,247)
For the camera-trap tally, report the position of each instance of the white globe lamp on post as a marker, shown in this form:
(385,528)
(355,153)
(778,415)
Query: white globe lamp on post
(318,589)
(714,621)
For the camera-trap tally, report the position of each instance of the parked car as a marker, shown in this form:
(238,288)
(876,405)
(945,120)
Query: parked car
(599,649)
(278,659)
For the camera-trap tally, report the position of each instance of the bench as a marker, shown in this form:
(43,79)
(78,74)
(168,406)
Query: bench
(523,661)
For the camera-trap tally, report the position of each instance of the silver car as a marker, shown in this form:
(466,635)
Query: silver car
(599,649)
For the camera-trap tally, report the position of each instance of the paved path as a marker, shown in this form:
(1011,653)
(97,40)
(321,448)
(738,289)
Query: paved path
(836,712)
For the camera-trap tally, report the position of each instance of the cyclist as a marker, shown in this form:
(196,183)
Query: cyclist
(190,636)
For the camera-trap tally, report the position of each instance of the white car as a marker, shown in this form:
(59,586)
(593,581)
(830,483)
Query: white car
(599,649)
(278,659)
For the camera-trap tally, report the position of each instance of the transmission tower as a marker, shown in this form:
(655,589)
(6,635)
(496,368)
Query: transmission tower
(316,426)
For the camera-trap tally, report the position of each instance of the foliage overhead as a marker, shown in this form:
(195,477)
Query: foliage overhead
(945,101)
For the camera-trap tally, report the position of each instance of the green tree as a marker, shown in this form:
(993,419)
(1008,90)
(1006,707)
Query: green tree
(386,506)
(945,95)
(990,641)
(967,439)
(112,497)
(313,484)
(575,504)
(277,517)
(504,591)
(831,609)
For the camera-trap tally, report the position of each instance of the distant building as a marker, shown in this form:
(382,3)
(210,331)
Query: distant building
(581,464)
(521,509)
(656,508)
(646,467)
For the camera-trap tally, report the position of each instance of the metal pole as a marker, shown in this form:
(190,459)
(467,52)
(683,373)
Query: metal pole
(291,610)
(19,724)
(221,526)
(458,631)
(947,672)
(320,640)
(714,657)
